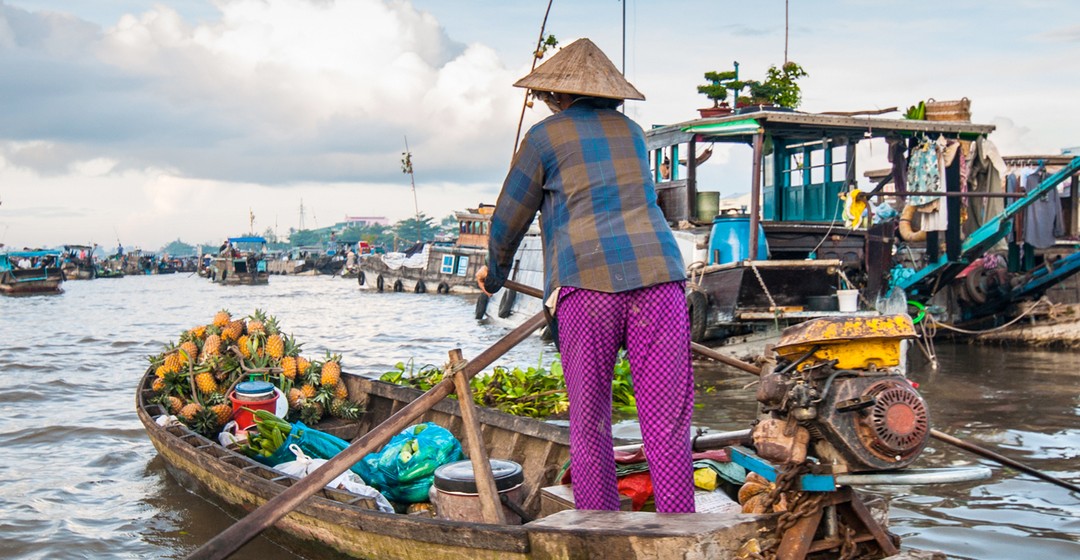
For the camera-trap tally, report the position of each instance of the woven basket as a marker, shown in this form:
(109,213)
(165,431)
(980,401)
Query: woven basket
(959,110)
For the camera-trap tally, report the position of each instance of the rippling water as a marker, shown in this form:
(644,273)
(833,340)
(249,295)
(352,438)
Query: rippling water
(79,479)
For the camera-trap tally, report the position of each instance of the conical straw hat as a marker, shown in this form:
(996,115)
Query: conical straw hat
(581,69)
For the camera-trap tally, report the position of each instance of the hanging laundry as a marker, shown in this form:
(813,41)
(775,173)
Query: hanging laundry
(1042,218)
(925,170)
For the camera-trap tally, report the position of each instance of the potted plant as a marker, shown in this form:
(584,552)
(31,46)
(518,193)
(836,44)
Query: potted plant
(779,89)
(716,89)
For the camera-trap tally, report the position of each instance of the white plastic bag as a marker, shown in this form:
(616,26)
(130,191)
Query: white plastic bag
(348,480)
(229,435)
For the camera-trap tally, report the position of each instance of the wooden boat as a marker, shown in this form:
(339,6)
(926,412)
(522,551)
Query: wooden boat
(350,525)
(78,262)
(440,266)
(240,267)
(42,277)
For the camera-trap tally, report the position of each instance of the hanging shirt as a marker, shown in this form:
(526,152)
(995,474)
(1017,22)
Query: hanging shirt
(586,170)
(1043,222)
(924,173)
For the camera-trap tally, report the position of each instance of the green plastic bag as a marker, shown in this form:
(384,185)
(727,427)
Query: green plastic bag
(405,468)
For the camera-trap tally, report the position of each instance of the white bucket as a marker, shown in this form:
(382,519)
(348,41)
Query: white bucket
(848,300)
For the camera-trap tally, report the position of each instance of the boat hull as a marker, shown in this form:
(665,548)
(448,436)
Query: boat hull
(36,281)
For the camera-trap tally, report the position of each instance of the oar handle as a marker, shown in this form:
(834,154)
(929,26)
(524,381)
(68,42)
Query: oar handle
(1002,459)
(230,540)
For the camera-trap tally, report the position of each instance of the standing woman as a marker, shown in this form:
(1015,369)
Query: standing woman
(613,272)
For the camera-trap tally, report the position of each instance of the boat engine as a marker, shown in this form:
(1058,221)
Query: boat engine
(837,392)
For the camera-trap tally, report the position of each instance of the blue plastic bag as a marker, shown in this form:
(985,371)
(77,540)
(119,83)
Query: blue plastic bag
(405,468)
(315,444)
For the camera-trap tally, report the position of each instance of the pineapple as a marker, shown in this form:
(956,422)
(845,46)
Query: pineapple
(288,366)
(340,392)
(160,371)
(189,352)
(198,332)
(232,331)
(204,380)
(244,343)
(174,404)
(341,408)
(212,346)
(302,365)
(331,370)
(311,413)
(220,407)
(296,398)
(307,391)
(257,322)
(172,362)
(222,318)
(188,412)
(205,421)
(159,384)
(275,346)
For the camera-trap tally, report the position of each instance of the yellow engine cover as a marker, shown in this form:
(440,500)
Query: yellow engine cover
(855,342)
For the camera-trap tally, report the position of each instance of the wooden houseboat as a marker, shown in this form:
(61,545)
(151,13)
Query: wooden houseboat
(438,266)
(78,262)
(30,273)
(812,235)
(242,263)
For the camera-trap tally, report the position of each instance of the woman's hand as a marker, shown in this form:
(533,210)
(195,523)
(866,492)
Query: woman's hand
(481,275)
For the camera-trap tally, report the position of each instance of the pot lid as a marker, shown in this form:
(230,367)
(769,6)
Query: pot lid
(254,388)
(459,477)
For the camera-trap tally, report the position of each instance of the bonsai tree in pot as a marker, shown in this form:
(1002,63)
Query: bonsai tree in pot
(716,89)
(780,88)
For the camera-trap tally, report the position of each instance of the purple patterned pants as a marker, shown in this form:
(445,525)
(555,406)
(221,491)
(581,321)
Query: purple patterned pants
(653,325)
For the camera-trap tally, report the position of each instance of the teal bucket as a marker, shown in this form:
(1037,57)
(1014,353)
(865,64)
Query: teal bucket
(730,240)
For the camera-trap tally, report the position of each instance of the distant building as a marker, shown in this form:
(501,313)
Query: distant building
(364,221)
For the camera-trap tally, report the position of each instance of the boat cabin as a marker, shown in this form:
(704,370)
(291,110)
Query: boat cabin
(242,261)
(811,229)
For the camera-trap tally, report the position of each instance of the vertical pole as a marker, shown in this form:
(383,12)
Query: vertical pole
(490,508)
(952,209)
(755,196)
(1073,227)
(785,30)
(691,175)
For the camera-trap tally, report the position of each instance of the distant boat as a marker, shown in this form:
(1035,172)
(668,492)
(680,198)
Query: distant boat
(246,267)
(30,273)
(438,266)
(77,262)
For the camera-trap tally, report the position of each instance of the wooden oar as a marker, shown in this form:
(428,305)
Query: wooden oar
(231,539)
(707,352)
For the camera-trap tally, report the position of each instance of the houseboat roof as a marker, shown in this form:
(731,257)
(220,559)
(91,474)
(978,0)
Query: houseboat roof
(808,126)
(33,254)
(248,239)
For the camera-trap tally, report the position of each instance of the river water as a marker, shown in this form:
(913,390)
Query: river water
(79,478)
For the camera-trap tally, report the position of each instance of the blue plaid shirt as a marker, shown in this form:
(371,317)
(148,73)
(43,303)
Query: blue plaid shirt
(586,170)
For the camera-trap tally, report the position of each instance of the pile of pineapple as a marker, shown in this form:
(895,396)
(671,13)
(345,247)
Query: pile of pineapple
(194,376)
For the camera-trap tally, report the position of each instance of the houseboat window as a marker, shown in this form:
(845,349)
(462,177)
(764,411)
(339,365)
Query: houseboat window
(447,264)
(767,168)
(839,160)
(817,167)
(795,169)
(462,265)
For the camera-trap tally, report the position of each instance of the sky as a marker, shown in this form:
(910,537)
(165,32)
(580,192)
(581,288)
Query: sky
(143,122)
